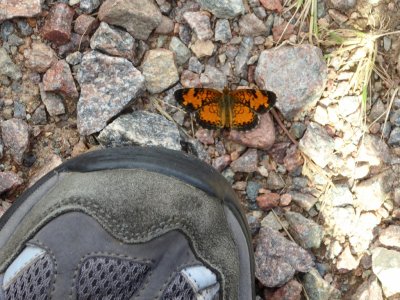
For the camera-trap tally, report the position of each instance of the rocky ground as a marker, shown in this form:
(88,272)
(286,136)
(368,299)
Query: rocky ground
(323,200)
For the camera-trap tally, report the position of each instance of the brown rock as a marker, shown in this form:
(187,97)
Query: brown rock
(293,159)
(282,32)
(166,26)
(16,8)
(8,181)
(40,58)
(261,137)
(139,18)
(85,25)
(57,27)
(53,102)
(190,79)
(268,201)
(274,5)
(59,79)
(290,291)
(77,42)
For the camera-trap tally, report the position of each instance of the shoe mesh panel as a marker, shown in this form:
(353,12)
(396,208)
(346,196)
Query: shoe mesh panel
(34,282)
(110,278)
(179,289)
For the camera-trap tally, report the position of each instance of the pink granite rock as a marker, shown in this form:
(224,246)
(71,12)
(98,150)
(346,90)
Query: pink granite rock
(57,27)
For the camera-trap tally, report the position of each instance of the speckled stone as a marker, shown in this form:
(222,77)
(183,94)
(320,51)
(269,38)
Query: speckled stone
(58,25)
(250,25)
(7,67)
(222,31)
(213,78)
(223,9)
(53,102)
(139,18)
(141,128)
(200,24)
(85,24)
(105,90)
(15,134)
(10,9)
(113,41)
(8,181)
(181,51)
(40,57)
(159,70)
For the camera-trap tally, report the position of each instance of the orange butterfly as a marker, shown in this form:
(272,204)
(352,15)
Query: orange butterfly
(229,109)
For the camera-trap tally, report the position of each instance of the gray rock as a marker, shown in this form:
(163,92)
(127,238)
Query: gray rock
(108,84)
(369,290)
(387,43)
(139,18)
(74,58)
(395,118)
(260,12)
(185,34)
(15,134)
(6,29)
(242,57)
(250,25)
(372,192)
(166,26)
(7,67)
(113,41)
(343,4)
(317,145)
(159,70)
(222,31)
(89,6)
(54,103)
(19,110)
(377,112)
(271,221)
(277,259)
(374,151)
(8,181)
(339,195)
(15,40)
(200,24)
(181,51)
(39,116)
(390,236)
(306,232)
(195,65)
(141,128)
(213,78)
(275,181)
(252,190)
(297,75)
(247,162)
(305,201)
(317,288)
(297,129)
(24,28)
(223,9)
(394,138)
(386,266)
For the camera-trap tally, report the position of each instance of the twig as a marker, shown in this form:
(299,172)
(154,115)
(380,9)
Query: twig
(278,120)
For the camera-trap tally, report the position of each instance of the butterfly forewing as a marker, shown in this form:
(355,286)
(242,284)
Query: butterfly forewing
(194,98)
(259,101)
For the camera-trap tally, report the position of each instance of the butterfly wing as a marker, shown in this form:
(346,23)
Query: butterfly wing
(243,117)
(209,116)
(193,99)
(259,101)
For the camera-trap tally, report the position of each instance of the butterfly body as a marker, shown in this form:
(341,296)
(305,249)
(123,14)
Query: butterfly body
(227,109)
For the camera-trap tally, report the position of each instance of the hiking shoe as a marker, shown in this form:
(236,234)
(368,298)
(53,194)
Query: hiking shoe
(127,223)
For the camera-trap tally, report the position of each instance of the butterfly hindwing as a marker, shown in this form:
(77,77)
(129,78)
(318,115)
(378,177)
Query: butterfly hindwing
(259,101)
(194,98)
(209,116)
(243,117)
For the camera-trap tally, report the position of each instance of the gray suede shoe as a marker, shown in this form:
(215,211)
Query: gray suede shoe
(127,223)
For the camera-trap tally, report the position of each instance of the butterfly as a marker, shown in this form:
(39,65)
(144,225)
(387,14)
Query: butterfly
(228,109)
